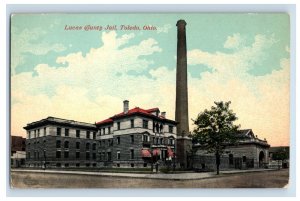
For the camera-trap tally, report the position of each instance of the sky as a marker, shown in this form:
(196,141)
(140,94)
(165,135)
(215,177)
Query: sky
(85,75)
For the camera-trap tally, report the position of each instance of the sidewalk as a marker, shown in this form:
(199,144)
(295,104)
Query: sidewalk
(177,176)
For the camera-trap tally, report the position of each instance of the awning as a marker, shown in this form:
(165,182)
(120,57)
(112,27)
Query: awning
(170,153)
(156,152)
(146,153)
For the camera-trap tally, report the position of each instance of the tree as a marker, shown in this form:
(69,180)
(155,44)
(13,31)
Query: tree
(215,129)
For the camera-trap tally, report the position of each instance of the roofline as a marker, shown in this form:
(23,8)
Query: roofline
(52,120)
(145,115)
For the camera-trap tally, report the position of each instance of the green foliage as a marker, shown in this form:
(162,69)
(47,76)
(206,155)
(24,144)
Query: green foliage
(215,129)
(283,155)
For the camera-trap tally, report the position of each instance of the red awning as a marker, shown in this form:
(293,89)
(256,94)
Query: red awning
(170,153)
(146,153)
(156,152)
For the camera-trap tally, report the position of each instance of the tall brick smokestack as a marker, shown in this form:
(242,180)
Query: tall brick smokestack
(181,110)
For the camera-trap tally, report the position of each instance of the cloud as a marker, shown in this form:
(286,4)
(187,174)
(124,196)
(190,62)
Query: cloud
(88,84)
(164,29)
(26,42)
(233,42)
(261,102)
(92,87)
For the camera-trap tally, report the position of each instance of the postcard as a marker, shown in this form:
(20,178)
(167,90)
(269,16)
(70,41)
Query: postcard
(177,100)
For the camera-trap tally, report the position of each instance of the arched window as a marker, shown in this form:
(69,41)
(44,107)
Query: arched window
(66,145)
(87,146)
(58,144)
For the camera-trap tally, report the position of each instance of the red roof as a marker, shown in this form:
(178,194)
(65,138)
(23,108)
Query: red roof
(135,110)
(105,121)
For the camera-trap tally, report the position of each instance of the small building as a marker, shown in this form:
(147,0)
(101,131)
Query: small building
(54,142)
(17,151)
(279,157)
(136,137)
(249,152)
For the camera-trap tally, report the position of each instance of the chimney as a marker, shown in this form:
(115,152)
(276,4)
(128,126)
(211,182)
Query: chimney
(181,108)
(163,114)
(125,106)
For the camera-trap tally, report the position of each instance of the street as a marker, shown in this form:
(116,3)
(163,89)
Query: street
(263,179)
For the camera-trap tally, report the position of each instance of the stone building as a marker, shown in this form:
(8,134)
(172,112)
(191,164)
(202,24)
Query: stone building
(132,138)
(249,152)
(136,136)
(55,142)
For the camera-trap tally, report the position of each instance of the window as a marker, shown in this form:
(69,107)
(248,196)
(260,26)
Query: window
(66,164)
(244,159)
(58,144)
(34,133)
(87,165)
(88,134)
(58,131)
(170,129)
(58,165)
(171,141)
(28,155)
(118,155)
(110,142)
(87,155)
(156,140)
(66,154)
(132,123)
(66,144)
(230,159)
(44,131)
(145,164)
(161,140)
(132,164)
(78,133)
(145,138)
(109,156)
(77,145)
(131,154)
(87,146)
(99,131)
(94,156)
(38,132)
(58,154)
(118,164)
(108,130)
(66,132)
(77,154)
(38,155)
(119,125)
(118,140)
(103,131)
(94,164)
(145,124)
(77,165)
(94,146)
(94,135)
(100,143)
(132,138)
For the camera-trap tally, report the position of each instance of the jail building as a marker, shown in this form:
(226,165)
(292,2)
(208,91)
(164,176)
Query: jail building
(55,142)
(135,136)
